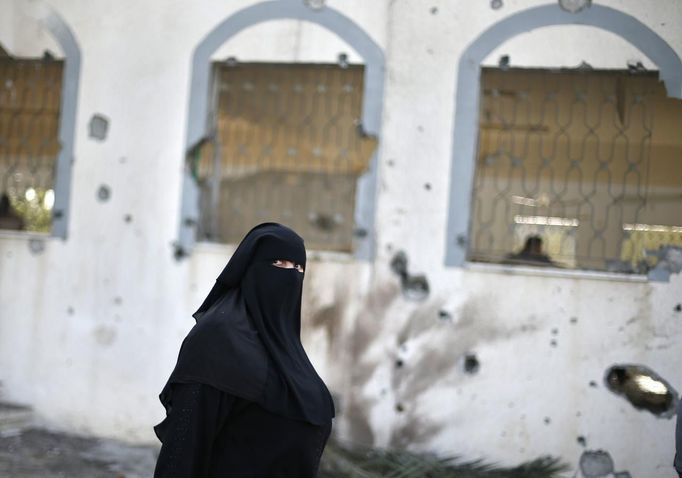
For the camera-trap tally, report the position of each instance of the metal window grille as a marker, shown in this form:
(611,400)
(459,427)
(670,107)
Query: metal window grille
(286,146)
(30,97)
(573,167)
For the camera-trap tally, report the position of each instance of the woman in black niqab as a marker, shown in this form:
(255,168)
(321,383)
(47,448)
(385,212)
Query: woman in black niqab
(244,399)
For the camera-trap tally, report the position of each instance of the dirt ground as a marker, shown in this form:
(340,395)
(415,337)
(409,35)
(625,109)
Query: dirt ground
(38,453)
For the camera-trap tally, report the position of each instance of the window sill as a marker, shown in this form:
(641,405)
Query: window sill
(553,272)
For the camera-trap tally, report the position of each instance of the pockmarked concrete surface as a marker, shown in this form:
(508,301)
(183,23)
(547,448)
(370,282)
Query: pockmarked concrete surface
(39,453)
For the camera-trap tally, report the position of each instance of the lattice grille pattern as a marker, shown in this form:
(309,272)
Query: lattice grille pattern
(287,146)
(30,96)
(567,156)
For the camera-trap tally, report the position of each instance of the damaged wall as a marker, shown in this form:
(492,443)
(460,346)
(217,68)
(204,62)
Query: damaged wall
(483,362)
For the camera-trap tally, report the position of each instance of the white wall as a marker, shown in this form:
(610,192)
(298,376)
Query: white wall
(90,327)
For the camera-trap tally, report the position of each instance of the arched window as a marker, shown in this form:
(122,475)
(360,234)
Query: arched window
(271,139)
(38,93)
(574,167)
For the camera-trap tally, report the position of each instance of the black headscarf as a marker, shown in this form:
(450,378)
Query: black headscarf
(246,341)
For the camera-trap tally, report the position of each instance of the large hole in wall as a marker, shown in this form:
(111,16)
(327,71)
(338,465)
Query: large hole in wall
(643,388)
(414,287)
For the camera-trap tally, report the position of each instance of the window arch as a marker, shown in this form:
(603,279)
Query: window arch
(198,127)
(61,147)
(467,96)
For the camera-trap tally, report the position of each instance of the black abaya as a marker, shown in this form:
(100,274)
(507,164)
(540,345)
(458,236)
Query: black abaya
(244,399)
(211,434)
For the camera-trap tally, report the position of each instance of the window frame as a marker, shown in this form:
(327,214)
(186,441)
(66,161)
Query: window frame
(467,100)
(198,126)
(60,31)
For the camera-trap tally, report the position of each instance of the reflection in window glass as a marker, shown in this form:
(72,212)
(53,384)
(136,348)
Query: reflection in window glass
(576,169)
(30,96)
(286,146)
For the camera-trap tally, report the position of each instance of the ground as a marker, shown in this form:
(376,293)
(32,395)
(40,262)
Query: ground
(38,453)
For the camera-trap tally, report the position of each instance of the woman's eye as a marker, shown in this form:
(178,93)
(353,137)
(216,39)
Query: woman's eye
(299,268)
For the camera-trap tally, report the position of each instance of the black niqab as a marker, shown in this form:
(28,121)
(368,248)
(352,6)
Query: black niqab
(246,341)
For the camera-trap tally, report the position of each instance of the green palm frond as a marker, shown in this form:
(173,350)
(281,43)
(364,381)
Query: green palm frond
(343,462)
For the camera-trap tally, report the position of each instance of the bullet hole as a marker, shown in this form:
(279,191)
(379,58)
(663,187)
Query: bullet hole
(399,407)
(179,252)
(103,193)
(574,6)
(390,163)
(444,315)
(581,441)
(471,363)
(495,4)
(420,128)
(596,464)
(399,263)
(128,218)
(118,300)
(414,287)
(574,320)
(389,247)
(643,388)
(427,186)
(360,232)
(399,363)
(122,159)
(593,384)
(99,125)
(503,62)
(434,10)
(315,4)
(36,246)
(553,343)
(69,310)
(555,331)
(678,308)
(547,420)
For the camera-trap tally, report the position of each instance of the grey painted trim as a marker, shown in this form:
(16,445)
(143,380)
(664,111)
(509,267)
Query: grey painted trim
(67,120)
(197,118)
(465,133)
(364,244)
